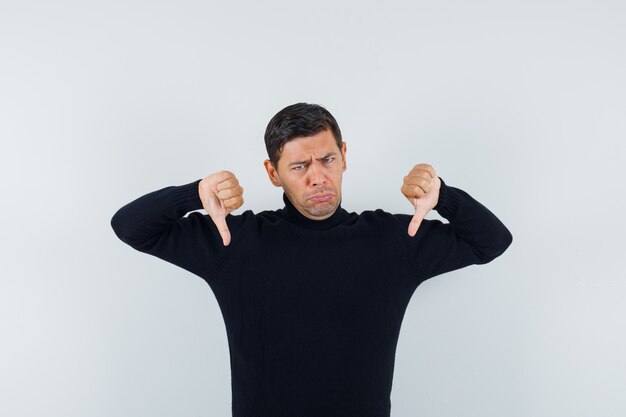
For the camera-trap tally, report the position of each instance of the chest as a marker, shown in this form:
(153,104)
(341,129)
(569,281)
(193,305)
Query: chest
(319,280)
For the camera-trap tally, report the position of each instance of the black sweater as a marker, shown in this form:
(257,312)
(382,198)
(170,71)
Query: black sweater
(312,309)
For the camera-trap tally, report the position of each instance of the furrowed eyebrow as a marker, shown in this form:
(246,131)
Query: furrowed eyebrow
(300,162)
(309,160)
(327,155)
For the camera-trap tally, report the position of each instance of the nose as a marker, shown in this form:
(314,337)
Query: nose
(317,176)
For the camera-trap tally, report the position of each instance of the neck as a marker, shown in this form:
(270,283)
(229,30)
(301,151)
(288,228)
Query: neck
(293,215)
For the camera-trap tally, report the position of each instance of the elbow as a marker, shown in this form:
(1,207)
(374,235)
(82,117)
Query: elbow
(505,241)
(126,228)
(118,226)
(500,244)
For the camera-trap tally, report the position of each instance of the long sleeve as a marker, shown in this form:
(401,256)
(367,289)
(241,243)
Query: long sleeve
(155,224)
(474,235)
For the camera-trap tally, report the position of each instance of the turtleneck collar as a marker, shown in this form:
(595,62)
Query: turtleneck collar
(291,214)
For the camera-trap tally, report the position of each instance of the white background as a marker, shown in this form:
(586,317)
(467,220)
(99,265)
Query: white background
(520,103)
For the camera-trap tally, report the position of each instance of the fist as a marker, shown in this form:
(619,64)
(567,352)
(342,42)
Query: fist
(220,194)
(421,187)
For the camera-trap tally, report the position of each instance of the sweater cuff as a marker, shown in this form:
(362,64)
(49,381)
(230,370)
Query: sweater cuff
(186,197)
(448,201)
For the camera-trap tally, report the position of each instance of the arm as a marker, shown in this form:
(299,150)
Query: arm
(474,235)
(155,223)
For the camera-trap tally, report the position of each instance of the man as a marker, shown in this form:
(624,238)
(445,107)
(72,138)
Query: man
(312,296)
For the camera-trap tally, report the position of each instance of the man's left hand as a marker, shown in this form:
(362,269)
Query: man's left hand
(421,187)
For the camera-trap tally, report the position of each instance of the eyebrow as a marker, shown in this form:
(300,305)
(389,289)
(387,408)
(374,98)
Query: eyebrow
(309,160)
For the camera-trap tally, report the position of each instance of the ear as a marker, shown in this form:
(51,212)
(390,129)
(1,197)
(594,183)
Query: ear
(272,173)
(343,156)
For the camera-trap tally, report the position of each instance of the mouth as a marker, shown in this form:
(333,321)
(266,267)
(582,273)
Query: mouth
(321,197)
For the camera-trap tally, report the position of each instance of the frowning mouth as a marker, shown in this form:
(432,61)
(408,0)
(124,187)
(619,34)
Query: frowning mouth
(321,197)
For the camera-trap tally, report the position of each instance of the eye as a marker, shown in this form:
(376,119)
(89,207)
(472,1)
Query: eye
(298,167)
(329,159)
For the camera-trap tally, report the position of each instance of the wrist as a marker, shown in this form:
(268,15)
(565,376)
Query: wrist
(442,197)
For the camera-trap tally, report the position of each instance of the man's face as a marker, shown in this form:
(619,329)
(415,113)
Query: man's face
(309,171)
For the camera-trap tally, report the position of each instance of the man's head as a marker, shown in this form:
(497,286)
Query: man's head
(307,158)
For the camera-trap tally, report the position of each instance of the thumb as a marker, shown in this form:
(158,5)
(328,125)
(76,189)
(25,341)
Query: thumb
(416,220)
(222,228)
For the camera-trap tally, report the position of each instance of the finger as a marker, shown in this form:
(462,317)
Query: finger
(424,183)
(229,193)
(230,182)
(222,228)
(414,224)
(418,178)
(429,170)
(416,221)
(233,203)
(411,191)
(424,168)
(222,176)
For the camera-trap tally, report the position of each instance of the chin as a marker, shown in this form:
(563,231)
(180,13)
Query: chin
(324,211)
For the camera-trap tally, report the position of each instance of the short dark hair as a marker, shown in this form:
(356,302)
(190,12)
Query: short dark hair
(300,119)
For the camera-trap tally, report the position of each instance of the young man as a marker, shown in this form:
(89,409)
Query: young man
(312,296)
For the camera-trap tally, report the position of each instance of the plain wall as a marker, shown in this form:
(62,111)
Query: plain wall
(521,104)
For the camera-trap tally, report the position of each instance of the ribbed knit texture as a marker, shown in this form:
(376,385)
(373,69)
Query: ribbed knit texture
(312,309)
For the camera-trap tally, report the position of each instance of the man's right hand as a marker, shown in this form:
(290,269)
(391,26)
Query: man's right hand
(220,194)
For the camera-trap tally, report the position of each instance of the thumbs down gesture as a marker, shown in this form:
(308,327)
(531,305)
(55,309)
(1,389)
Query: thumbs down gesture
(421,187)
